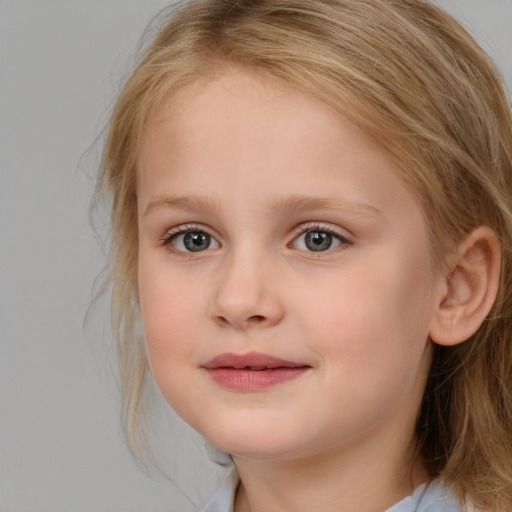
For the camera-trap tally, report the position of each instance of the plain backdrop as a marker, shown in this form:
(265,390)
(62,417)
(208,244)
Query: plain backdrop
(61,446)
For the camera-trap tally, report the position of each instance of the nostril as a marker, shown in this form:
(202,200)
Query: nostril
(222,320)
(256,319)
(251,320)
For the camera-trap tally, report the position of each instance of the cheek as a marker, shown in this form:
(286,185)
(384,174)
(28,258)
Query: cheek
(373,321)
(169,315)
(371,334)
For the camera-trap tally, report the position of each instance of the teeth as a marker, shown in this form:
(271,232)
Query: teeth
(258,368)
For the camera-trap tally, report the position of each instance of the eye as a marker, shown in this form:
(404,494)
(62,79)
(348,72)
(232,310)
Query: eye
(318,240)
(191,241)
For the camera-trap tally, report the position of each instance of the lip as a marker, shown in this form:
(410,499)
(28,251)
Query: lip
(252,371)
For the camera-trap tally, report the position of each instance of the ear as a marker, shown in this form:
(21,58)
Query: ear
(469,291)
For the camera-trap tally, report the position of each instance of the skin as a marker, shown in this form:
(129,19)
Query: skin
(256,166)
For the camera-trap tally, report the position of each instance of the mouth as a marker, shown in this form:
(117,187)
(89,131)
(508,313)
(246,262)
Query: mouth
(252,371)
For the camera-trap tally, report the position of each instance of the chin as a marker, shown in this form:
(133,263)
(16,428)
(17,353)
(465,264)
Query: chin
(259,451)
(251,443)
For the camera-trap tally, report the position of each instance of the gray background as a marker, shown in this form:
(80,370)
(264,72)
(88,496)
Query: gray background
(61,447)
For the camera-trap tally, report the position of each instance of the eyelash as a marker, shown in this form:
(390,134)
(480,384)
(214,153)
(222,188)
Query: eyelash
(303,229)
(172,234)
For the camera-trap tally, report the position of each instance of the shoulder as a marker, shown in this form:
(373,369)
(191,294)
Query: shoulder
(224,499)
(469,506)
(435,497)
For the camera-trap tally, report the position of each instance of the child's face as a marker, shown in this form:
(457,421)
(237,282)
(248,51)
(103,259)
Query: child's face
(269,225)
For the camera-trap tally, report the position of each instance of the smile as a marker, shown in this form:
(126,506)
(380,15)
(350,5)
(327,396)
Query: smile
(252,371)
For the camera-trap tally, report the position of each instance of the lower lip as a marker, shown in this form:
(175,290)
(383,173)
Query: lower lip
(254,380)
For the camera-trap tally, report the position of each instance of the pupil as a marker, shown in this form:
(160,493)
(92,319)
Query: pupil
(196,241)
(318,240)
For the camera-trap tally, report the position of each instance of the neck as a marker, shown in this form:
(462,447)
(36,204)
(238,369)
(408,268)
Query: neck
(332,481)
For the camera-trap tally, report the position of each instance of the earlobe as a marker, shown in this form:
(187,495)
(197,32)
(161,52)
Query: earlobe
(470,289)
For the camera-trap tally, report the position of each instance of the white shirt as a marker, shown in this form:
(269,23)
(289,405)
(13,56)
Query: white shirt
(432,498)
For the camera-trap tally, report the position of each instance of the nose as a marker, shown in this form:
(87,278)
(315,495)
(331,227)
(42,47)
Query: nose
(246,295)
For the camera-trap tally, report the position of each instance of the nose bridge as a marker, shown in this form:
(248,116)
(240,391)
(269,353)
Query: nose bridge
(245,294)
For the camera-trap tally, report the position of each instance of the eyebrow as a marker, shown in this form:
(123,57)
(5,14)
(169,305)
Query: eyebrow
(183,203)
(298,203)
(288,205)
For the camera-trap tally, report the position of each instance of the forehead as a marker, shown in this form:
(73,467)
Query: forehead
(215,111)
(247,92)
(235,131)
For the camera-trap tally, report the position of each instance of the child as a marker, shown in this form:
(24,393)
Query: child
(312,212)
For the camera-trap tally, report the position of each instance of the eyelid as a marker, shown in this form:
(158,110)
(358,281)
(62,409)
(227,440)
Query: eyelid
(181,229)
(324,227)
(303,228)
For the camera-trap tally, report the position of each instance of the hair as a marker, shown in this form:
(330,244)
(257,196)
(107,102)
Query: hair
(414,80)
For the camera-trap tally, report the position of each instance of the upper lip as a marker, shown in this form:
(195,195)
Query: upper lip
(250,360)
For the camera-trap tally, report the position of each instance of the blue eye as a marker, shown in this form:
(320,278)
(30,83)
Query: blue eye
(192,241)
(317,240)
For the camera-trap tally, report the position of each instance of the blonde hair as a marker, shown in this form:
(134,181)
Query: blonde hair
(413,79)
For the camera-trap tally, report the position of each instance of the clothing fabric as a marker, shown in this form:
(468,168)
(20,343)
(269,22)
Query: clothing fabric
(427,498)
